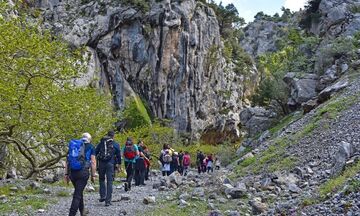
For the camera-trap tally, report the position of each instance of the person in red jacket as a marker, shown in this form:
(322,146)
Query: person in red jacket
(186,163)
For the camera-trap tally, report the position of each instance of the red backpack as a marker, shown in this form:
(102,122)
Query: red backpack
(186,160)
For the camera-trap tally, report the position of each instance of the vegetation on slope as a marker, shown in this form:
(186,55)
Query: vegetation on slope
(40,108)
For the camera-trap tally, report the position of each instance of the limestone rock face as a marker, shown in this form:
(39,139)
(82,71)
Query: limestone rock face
(170,56)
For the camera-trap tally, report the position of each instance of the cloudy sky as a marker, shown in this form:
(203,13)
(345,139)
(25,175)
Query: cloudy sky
(248,8)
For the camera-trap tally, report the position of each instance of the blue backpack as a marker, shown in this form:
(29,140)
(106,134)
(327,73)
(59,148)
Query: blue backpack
(76,156)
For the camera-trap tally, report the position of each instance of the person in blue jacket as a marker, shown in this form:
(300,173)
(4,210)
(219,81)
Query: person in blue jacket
(131,154)
(109,157)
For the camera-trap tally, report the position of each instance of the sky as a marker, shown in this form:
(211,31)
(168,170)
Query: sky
(249,8)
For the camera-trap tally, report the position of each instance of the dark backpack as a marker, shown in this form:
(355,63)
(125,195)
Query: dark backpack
(129,152)
(76,155)
(107,150)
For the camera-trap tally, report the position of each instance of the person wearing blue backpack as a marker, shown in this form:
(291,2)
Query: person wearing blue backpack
(109,157)
(80,158)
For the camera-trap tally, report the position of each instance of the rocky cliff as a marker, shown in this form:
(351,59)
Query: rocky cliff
(170,56)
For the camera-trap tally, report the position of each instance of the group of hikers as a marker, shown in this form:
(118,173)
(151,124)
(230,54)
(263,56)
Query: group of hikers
(83,160)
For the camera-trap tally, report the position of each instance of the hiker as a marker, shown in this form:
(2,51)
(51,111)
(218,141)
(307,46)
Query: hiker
(130,153)
(81,157)
(186,163)
(166,159)
(199,161)
(209,163)
(109,156)
(181,166)
(174,163)
(147,162)
(217,163)
(140,165)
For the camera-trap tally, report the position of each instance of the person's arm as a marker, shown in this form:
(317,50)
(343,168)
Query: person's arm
(67,172)
(93,167)
(118,153)
(97,149)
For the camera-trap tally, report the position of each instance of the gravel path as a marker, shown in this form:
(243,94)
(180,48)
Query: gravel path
(131,202)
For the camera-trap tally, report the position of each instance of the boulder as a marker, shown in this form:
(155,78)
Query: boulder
(237,193)
(325,94)
(346,150)
(176,178)
(149,199)
(258,207)
(302,89)
(309,105)
(11,174)
(35,185)
(257,119)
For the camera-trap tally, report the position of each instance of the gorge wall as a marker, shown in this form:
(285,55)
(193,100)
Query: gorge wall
(170,56)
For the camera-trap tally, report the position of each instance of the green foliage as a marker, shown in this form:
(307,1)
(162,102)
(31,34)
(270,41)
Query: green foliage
(311,15)
(142,5)
(355,9)
(40,108)
(336,183)
(273,67)
(135,114)
(340,47)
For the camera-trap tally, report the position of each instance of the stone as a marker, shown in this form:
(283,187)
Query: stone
(325,94)
(248,155)
(211,206)
(125,197)
(149,199)
(265,183)
(236,193)
(156,185)
(215,213)
(89,188)
(294,188)
(2,197)
(122,212)
(258,207)
(35,185)
(14,189)
(176,178)
(240,150)
(183,203)
(162,188)
(198,192)
(309,105)
(46,191)
(302,89)
(184,196)
(41,211)
(257,119)
(345,151)
(49,179)
(232,213)
(11,174)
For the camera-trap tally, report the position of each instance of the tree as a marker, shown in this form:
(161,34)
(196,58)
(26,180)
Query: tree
(228,18)
(40,108)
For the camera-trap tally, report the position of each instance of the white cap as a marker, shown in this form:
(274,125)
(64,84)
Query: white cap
(86,137)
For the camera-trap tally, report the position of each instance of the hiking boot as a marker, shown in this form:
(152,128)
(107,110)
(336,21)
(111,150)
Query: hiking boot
(129,186)
(108,204)
(126,186)
(101,200)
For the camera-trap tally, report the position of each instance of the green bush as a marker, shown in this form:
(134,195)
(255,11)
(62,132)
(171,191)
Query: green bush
(135,114)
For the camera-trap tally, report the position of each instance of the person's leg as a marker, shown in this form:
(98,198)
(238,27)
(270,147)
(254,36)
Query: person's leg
(147,173)
(79,180)
(109,182)
(102,173)
(142,176)
(130,172)
(137,177)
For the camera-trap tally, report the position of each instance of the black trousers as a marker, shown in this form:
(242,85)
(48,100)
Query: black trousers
(140,172)
(106,169)
(147,171)
(79,180)
(129,166)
